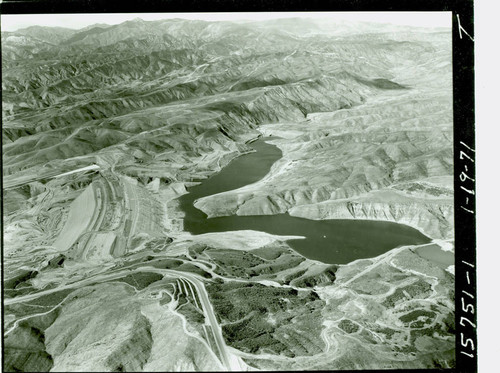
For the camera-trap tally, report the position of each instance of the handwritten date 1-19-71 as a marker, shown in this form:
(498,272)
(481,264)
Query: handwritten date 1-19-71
(467,182)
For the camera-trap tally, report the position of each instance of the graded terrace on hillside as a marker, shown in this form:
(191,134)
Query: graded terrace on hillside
(186,195)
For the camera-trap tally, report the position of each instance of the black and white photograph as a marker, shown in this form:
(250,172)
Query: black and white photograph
(235,191)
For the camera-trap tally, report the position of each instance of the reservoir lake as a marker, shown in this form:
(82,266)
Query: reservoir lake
(335,241)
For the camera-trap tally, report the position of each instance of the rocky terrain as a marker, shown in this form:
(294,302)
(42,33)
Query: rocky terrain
(105,127)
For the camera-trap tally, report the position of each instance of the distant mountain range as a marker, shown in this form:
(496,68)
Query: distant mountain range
(298,26)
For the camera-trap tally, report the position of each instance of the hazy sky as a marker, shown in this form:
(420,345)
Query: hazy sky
(76,21)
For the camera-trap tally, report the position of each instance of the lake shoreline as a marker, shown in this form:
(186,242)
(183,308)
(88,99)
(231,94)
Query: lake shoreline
(332,241)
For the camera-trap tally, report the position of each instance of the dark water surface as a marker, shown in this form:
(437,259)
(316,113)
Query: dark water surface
(330,241)
(435,254)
